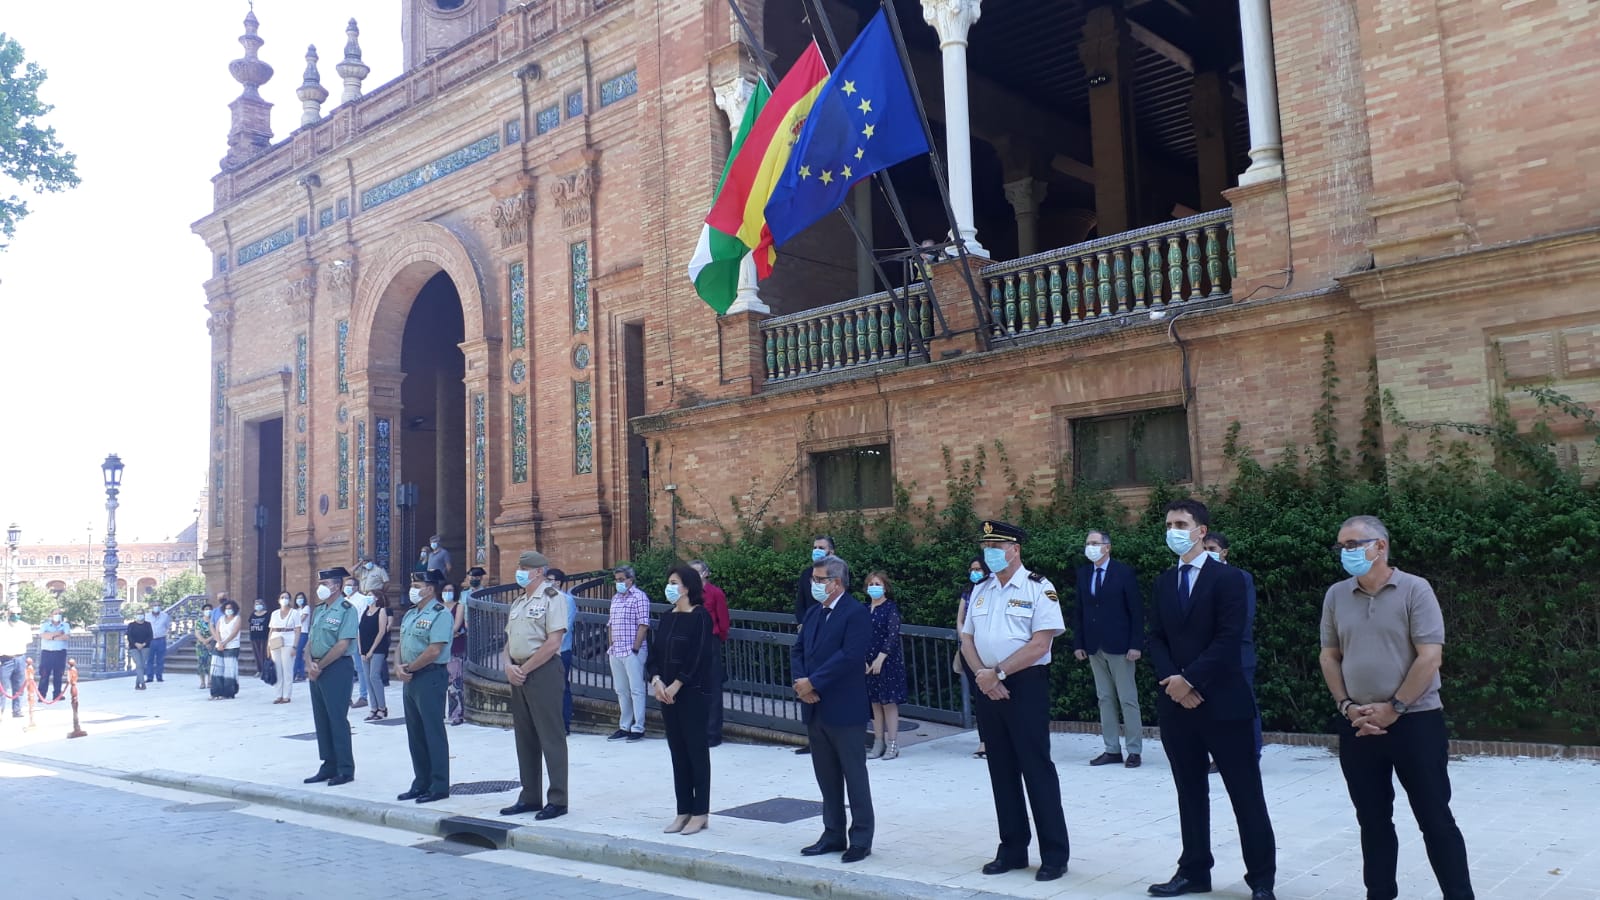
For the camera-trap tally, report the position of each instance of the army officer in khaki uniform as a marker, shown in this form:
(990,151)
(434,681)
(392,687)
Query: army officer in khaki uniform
(534,628)
(424,652)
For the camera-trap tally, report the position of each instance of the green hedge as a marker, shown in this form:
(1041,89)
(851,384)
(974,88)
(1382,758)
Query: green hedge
(1509,539)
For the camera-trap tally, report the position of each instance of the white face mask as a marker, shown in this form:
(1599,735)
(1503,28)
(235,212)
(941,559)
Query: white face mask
(283,602)
(449,596)
(416,596)
(324,592)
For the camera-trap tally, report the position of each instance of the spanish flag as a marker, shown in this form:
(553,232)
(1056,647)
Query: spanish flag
(752,174)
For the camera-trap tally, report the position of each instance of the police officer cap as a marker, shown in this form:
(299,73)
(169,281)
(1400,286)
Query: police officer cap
(994,530)
(331,574)
(432,576)
(477,572)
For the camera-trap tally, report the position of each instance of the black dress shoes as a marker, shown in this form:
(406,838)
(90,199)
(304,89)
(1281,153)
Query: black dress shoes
(1263,894)
(319,777)
(821,847)
(550,811)
(1179,886)
(1000,867)
(1049,873)
(429,797)
(337,780)
(517,809)
(1134,761)
(410,795)
(856,854)
(1106,759)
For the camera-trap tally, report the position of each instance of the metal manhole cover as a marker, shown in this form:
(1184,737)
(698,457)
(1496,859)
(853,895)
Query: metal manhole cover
(781,810)
(308,736)
(484,787)
(216,806)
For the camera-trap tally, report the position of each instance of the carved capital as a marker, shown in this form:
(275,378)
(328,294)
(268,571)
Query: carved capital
(221,320)
(573,193)
(733,97)
(297,292)
(511,216)
(1025,195)
(951,19)
(340,278)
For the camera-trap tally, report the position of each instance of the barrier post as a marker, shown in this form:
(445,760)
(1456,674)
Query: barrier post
(72,685)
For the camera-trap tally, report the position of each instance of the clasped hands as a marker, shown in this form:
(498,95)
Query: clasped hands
(665,693)
(989,682)
(805,692)
(1182,692)
(1371,719)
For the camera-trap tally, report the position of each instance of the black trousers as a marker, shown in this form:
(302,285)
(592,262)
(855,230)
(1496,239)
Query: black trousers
(259,648)
(423,701)
(714,692)
(1016,734)
(330,709)
(52,667)
(1416,750)
(839,759)
(685,721)
(1188,736)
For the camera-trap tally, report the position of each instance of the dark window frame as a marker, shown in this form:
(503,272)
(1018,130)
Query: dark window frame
(850,458)
(1133,471)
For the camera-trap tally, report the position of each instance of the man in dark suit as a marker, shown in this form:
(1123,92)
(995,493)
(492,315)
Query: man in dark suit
(1108,631)
(1216,544)
(1196,632)
(821,548)
(829,662)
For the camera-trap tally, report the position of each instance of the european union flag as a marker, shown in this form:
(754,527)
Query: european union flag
(864,120)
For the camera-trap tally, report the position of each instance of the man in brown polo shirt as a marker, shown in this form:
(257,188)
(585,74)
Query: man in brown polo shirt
(1382,640)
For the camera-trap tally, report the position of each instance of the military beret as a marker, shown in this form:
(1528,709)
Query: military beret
(994,530)
(532,559)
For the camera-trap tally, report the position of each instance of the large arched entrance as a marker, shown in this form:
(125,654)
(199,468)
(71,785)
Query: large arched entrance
(432,470)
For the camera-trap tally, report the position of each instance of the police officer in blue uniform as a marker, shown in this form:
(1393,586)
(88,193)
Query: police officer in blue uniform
(1013,617)
(335,624)
(424,652)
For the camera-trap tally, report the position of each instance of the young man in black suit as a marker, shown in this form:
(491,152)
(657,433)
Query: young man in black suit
(1206,705)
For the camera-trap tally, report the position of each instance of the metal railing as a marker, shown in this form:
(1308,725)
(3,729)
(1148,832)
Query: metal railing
(757,684)
(864,331)
(1149,268)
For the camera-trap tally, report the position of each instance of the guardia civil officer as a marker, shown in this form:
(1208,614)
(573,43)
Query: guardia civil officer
(1012,618)
(335,624)
(424,652)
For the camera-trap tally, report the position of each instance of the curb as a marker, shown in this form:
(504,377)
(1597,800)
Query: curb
(705,866)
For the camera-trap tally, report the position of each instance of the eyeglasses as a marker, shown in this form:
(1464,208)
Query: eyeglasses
(1353,545)
(823,580)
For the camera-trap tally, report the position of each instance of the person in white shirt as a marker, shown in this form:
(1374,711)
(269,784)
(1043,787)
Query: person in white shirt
(283,637)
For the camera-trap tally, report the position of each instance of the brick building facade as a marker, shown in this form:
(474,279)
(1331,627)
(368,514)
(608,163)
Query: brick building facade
(141,565)
(457,303)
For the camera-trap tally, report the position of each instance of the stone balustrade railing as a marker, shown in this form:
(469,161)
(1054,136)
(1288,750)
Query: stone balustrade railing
(1150,268)
(864,331)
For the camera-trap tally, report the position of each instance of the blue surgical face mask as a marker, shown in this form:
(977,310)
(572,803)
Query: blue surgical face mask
(875,591)
(818,554)
(1179,541)
(524,577)
(1216,555)
(995,558)
(1355,561)
(819,592)
(974,576)
(673,592)
(622,587)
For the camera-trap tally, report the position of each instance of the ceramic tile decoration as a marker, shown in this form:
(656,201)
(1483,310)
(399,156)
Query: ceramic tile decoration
(574,104)
(519,306)
(513,131)
(324,217)
(480,478)
(300,475)
(519,438)
(256,249)
(381,492)
(580,357)
(422,175)
(343,329)
(301,389)
(619,88)
(546,120)
(583,408)
(580,286)
(361,488)
(344,470)
(519,372)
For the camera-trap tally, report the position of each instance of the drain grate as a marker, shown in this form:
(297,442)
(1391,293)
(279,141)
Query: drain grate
(484,787)
(780,810)
(215,806)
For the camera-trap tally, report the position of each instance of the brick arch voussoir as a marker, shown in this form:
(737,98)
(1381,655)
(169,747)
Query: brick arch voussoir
(384,292)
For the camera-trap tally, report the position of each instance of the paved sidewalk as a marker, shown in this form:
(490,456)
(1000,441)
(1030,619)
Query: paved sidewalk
(1527,822)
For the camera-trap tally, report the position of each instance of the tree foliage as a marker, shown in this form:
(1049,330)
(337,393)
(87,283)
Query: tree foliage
(1508,535)
(30,154)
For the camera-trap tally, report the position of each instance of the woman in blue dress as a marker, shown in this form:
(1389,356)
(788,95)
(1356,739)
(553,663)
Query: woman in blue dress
(886,669)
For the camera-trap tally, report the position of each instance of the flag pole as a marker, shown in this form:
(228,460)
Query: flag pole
(882,176)
(849,218)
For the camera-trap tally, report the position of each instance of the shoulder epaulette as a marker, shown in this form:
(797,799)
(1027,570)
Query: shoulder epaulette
(1035,576)
(346,604)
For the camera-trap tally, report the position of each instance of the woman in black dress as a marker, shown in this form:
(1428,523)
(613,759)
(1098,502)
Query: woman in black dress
(977,571)
(886,669)
(679,666)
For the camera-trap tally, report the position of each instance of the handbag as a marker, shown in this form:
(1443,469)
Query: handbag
(275,642)
(269,673)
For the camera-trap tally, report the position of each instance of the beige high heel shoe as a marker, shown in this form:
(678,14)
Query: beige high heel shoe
(696,825)
(676,825)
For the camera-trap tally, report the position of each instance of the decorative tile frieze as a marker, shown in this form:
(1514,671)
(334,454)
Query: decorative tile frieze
(343,207)
(519,306)
(480,479)
(256,249)
(583,415)
(382,490)
(513,131)
(218,484)
(343,331)
(361,489)
(619,88)
(546,120)
(580,287)
(222,393)
(519,438)
(324,218)
(344,470)
(574,104)
(301,389)
(301,473)
(422,175)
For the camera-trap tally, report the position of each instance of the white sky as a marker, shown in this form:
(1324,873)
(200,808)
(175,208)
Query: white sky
(105,344)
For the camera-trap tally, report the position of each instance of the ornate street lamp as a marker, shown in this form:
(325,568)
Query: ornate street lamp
(108,659)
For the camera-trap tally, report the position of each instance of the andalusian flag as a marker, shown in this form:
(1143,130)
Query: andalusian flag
(717,258)
(760,158)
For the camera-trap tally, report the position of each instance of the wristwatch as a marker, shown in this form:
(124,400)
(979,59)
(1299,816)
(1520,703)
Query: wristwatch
(1345,704)
(999,673)
(1400,706)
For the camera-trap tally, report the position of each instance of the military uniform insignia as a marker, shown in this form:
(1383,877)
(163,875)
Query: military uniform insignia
(988,528)
(345,604)
(1035,576)
(1051,595)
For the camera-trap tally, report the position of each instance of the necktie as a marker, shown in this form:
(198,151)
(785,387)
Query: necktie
(1099,580)
(1183,587)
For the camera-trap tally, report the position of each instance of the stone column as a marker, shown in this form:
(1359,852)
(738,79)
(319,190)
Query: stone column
(1025,195)
(952,19)
(732,98)
(1261,93)
(1209,111)
(1106,51)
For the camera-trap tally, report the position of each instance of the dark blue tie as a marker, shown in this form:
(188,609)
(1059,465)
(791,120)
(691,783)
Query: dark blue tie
(1099,580)
(1183,587)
